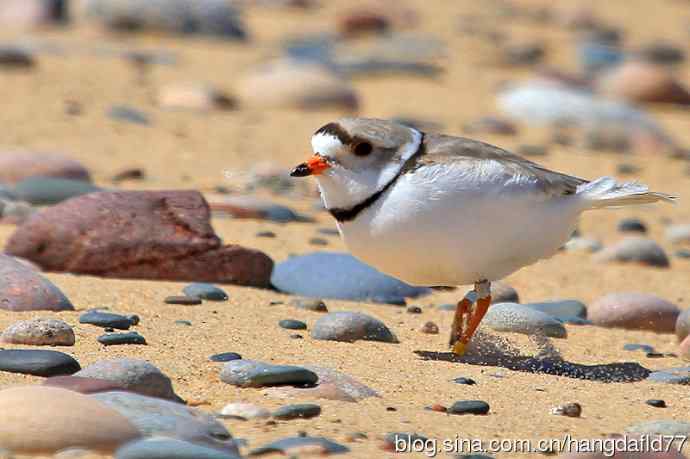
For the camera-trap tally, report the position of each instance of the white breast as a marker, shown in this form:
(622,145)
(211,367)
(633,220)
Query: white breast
(453,225)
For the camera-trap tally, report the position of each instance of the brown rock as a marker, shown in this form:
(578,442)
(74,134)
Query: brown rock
(83,385)
(162,235)
(45,420)
(634,311)
(640,82)
(363,22)
(24,289)
(16,166)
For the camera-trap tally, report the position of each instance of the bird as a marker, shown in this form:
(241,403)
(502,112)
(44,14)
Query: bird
(440,210)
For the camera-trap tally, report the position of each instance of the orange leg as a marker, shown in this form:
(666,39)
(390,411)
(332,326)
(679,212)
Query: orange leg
(467,318)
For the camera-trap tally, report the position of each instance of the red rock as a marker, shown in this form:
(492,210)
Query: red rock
(16,166)
(83,385)
(634,311)
(24,289)
(363,22)
(163,235)
(641,82)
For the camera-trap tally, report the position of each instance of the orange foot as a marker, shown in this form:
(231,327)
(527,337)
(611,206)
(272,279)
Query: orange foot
(467,317)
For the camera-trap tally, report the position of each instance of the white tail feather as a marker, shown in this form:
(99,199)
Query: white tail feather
(606,192)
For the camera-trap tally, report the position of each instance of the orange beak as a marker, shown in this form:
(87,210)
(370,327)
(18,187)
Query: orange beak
(314,166)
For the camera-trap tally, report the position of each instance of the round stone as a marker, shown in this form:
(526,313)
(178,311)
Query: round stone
(64,418)
(105,319)
(297,411)
(40,332)
(249,373)
(351,326)
(225,357)
(656,403)
(683,324)
(429,328)
(517,318)
(469,407)
(634,311)
(37,362)
(632,225)
(183,300)
(244,411)
(291,324)
(635,249)
(309,304)
(205,291)
(113,339)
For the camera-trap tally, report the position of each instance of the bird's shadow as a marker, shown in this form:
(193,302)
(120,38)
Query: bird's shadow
(607,372)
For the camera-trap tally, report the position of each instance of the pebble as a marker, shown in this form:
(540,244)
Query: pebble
(169,448)
(111,339)
(16,166)
(357,23)
(583,244)
(317,446)
(15,58)
(429,328)
(682,327)
(135,375)
(291,324)
(105,319)
(318,241)
(196,97)
(414,310)
(225,357)
(638,81)
(661,427)
(128,114)
(522,54)
(465,381)
(245,411)
(627,169)
(635,249)
(40,332)
(660,52)
(45,191)
(183,300)
(632,225)
(296,84)
(37,362)
(678,234)
(571,410)
(568,311)
(331,385)
(309,304)
(634,311)
(65,419)
(297,411)
(679,375)
(296,336)
(183,322)
(517,318)
(82,385)
(266,234)
(503,293)
(350,327)
(205,291)
(656,403)
(340,276)
(155,417)
(638,347)
(215,18)
(469,407)
(490,125)
(250,373)
(131,173)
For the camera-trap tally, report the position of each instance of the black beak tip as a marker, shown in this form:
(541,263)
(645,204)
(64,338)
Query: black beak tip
(301,171)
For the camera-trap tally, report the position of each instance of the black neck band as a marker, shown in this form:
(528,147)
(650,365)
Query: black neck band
(346,215)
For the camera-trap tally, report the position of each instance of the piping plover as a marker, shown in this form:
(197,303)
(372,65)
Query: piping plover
(437,210)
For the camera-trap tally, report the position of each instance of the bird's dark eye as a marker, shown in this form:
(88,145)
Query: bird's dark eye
(362,149)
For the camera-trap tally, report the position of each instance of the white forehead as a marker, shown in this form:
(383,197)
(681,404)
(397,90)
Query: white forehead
(326,144)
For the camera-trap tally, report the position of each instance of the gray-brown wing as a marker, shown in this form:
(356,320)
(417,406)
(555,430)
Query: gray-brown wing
(443,148)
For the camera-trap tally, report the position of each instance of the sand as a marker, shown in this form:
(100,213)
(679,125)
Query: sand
(192,150)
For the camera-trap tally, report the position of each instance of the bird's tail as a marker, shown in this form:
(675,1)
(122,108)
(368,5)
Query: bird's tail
(606,192)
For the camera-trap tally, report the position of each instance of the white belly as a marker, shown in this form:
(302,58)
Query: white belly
(436,231)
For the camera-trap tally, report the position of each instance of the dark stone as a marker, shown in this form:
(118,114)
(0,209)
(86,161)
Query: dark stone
(51,190)
(310,304)
(469,407)
(105,320)
(121,338)
(250,373)
(168,236)
(340,276)
(414,310)
(20,165)
(463,380)
(292,324)
(182,299)
(267,234)
(632,225)
(225,357)
(22,288)
(205,291)
(301,443)
(646,348)
(37,362)
(656,403)
(15,58)
(183,322)
(318,241)
(297,411)
(129,114)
